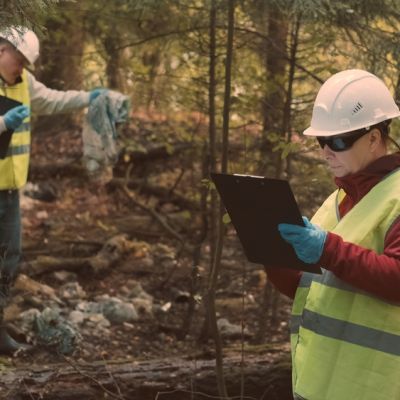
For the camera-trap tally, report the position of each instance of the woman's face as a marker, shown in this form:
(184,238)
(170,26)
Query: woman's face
(355,159)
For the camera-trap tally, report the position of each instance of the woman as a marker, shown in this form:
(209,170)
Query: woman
(345,328)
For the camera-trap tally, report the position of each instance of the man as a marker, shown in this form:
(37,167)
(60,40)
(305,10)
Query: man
(19,48)
(345,327)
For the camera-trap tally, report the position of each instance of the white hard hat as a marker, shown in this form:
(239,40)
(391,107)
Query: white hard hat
(24,40)
(351,100)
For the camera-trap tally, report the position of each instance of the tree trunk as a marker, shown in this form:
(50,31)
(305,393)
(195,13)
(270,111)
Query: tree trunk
(212,138)
(115,60)
(60,60)
(287,116)
(216,260)
(275,68)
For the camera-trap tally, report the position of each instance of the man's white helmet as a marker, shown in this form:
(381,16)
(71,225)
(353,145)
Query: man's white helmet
(351,100)
(24,40)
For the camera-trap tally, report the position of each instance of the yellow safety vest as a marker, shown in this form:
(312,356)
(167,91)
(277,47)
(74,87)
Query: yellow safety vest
(346,342)
(14,167)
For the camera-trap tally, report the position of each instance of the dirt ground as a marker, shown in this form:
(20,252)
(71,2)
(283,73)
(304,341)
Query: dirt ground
(84,214)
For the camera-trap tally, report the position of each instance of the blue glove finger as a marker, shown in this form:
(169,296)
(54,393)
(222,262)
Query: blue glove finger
(96,93)
(307,242)
(295,241)
(14,117)
(307,222)
(290,235)
(290,229)
(24,112)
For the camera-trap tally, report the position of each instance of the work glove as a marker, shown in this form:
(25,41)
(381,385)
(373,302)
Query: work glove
(308,241)
(13,118)
(95,93)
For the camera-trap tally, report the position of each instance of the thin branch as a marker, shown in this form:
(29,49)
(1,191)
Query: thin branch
(110,374)
(74,366)
(149,210)
(281,53)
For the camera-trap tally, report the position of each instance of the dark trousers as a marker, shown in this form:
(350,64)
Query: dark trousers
(10,240)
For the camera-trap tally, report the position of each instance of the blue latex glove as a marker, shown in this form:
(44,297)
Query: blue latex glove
(13,118)
(308,241)
(95,93)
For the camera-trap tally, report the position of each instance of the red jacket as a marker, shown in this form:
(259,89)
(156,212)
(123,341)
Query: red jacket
(377,274)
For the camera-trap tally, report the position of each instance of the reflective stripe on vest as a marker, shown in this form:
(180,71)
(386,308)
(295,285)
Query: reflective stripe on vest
(18,150)
(14,167)
(345,342)
(25,126)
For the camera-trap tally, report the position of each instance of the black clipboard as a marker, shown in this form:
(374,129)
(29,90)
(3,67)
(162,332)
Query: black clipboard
(6,104)
(256,205)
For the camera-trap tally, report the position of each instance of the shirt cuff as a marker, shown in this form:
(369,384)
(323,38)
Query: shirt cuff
(87,99)
(331,250)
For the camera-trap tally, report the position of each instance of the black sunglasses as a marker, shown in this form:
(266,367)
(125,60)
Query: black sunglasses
(342,142)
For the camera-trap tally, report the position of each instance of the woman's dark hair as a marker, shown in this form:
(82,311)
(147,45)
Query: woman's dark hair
(384,128)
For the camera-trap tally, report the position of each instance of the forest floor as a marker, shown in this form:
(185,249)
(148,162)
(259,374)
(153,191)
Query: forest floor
(78,218)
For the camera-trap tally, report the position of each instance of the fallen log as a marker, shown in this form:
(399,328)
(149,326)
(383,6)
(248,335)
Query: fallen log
(112,251)
(263,378)
(74,167)
(161,192)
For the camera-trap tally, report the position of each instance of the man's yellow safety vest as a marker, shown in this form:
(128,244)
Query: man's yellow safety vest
(346,342)
(14,167)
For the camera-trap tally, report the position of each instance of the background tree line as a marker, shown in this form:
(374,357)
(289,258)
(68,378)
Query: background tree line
(157,52)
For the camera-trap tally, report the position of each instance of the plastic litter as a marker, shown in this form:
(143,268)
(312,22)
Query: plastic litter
(100,137)
(56,333)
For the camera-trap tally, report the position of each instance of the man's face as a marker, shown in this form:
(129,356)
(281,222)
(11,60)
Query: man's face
(12,63)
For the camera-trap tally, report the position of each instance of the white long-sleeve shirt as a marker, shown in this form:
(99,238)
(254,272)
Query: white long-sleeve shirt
(45,101)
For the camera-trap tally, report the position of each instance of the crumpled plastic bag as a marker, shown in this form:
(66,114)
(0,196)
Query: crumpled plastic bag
(100,144)
(56,333)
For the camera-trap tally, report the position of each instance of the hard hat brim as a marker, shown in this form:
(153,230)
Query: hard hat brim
(310,131)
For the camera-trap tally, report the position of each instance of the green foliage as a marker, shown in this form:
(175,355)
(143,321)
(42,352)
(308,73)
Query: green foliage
(158,53)
(226,219)
(163,47)
(24,12)
(209,184)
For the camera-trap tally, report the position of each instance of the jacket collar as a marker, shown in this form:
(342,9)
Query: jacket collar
(359,184)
